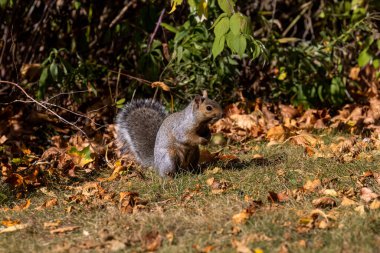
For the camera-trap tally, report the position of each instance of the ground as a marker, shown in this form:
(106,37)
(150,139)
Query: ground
(255,198)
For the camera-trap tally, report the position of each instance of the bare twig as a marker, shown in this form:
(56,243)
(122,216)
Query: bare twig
(132,77)
(121,13)
(159,21)
(45,107)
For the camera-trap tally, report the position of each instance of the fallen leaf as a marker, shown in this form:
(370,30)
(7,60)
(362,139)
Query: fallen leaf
(367,194)
(23,206)
(64,229)
(348,202)
(52,224)
(324,202)
(14,228)
(49,203)
(241,217)
(329,192)
(360,209)
(170,237)
(162,85)
(277,197)
(375,204)
(152,241)
(9,222)
(311,186)
(276,133)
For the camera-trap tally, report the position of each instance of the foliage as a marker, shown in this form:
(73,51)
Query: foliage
(218,45)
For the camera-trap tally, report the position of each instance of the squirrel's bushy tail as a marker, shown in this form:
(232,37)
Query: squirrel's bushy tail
(137,125)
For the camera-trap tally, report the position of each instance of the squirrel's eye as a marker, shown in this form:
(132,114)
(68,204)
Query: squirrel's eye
(209,108)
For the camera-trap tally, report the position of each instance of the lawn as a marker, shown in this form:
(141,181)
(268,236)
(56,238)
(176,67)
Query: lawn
(255,198)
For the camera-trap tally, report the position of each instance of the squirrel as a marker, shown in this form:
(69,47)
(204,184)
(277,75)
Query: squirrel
(168,143)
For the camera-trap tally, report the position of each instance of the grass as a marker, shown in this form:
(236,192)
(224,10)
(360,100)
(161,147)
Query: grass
(189,217)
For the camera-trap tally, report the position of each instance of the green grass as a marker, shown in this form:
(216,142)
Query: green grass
(186,208)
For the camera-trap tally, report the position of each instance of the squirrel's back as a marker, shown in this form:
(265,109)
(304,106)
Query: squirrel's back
(137,126)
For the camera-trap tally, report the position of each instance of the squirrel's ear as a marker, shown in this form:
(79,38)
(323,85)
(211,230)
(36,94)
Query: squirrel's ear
(204,93)
(198,100)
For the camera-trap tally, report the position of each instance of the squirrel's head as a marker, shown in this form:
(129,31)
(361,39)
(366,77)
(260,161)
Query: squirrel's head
(205,109)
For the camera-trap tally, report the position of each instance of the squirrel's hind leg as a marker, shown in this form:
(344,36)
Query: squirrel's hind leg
(165,163)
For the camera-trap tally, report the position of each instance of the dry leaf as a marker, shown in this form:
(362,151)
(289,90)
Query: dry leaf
(348,202)
(49,203)
(311,186)
(64,229)
(324,202)
(14,228)
(375,204)
(162,85)
(367,194)
(9,222)
(152,241)
(23,206)
(329,192)
(52,224)
(277,197)
(276,133)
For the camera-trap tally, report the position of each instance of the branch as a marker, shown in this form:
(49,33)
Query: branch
(159,21)
(45,107)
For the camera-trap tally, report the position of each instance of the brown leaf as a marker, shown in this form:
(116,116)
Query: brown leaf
(14,228)
(311,186)
(278,197)
(64,229)
(348,202)
(375,204)
(52,224)
(9,222)
(329,192)
(367,194)
(152,241)
(23,206)
(162,85)
(277,133)
(324,202)
(49,203)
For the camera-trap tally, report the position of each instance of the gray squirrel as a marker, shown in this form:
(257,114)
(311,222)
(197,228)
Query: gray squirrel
(168,143)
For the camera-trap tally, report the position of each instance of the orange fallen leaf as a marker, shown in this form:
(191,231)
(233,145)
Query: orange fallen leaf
(375,204)
(64,229)
(277,197)
(324,202)
(52,224)
(9,222)
(162,85)
(348,202)
(49,203)
(152,241)
(311,186)
(23,206)
(14,228)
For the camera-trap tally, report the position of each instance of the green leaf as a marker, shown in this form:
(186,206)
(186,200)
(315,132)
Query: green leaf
(227,6)
(237,43)
(81,157)
(222,27)
(170,28)
(218,19)
(376,63)
(218,45)
(236,22)
(364,58)
(42,83)
(54,71)
(120,101)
